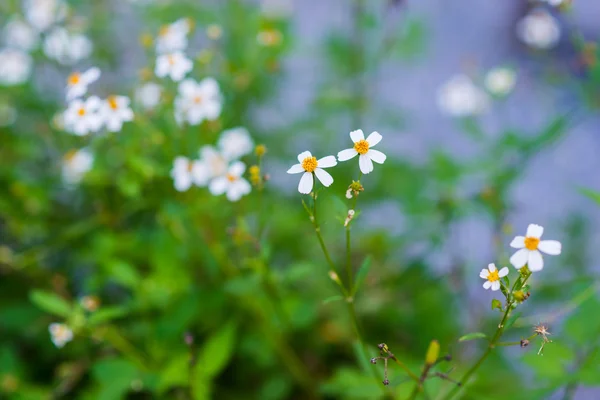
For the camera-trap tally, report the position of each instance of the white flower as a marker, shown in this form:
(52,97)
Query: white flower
(173,37)
(148,95)
(198,101)
(492,276)
(500,81)
(213,164)
(67,48)
(530,247)
(459,97)
(185,172)
(76,164)
(20,35)
(115,111)
(310,165)
(77,83)
(15,67)
(235,143)
(83,117)
(554,3)
(60,334)
(42,14)
(363,146)
(175,65)
(539,29)
(232,183)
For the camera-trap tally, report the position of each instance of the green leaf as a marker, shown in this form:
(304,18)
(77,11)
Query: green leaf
(114,377)
(361,275)
(123,273)
(591,194)
(472,336)
(513,318)
(107,314)
(496,304)
(216,351)
(332,299)
(51,303)
(175,373)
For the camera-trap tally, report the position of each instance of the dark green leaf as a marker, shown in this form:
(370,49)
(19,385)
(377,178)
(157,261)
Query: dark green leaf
(51,303)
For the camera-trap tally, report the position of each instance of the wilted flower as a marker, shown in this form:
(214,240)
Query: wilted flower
(175,65)
(459,97)
(15,67)
(235,143)
(530,247)
(148,95)
(77,83)
(83,117)
(232,183)
(539,29)
(198,101)
(76,163)
(42,14)
(115,111)
(185,172)
(362,147)
(492,276)
(60,334)
(67,48)
(20,35)
(500,81)
(310,165)
(173,37)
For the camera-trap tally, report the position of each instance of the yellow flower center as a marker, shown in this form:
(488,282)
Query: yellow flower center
(73,79)
(493,276)
(231,178)
(190,166)
(198,99)
(531,243)
(362,146)
(112,102)
(81,112)
(309,164)
(70,155)
(171,59)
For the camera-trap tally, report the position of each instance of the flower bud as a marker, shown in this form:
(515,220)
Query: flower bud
(373,360)
(524,343)
(260,150)
(432,353)
(386,382)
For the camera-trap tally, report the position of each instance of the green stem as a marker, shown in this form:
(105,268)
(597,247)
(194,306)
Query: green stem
(349,245)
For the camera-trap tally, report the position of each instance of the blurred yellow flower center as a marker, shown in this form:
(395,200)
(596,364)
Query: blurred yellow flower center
(112,102)
(171,59)
(309,164)
(81,112)
(231,178)
(70,155)
(362,146)
(198,99)
(493,276)
(190,166)
(531,243)
(74,79)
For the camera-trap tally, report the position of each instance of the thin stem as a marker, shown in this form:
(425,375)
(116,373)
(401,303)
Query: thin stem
(349,244)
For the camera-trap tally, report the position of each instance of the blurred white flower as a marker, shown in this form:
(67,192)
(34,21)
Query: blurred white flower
(77,83)
(42,14)
(67,48)
(185,172)
(83,116)
(554,3)
(276,8)
(309,165)
(539,29)
(60,334)
(20,35)
(459,97)
(15,67)
(492,276)
(213,164)
(198,101)
(530,247)
(175,65)
(235,143)
(148,95)
(232,183)
(76,164)
(173,37)
(363,146)
(115,111)
(500,81)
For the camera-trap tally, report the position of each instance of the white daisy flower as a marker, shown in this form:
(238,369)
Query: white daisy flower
(459,97)
(185,172)
(42,14)
(198,101)
(148,95)
(77,83)
(15,67)
(530,247)
(115,111)
(492,276)
(232,183)
(310,165)
(213,164)
(20,35)
(363,146)
(173,37)
(66,48)
(235,143)
(83,116)
(76,164)
(500,81)
(60,334)
(175,65)
(539,29)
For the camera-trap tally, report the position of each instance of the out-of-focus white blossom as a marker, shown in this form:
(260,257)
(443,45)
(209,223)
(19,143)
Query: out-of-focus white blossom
(235,143)
(185,172)
(77,83)
(15,67)
(539,29)
(232,183)
(42,14)
(460,97)
(83,117)
(60,334)
(500,81)
(67,48)
(212,164)
(148,95)
(76,164)
(20,35)
(115,111)
(198,101)
(173,37)
(175,65)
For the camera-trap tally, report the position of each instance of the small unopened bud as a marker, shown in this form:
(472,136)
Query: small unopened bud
(524,343)
(521,296)
(260,150)
(386,382)
(448,357)
(373,360)
(383,347)
(334,276)
(432,353)
(146,40)
(349,193)
(349,217)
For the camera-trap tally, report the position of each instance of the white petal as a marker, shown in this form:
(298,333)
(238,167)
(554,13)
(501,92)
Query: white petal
(518,242)
(218,185)
(327,162)
(303,155)
(295,169)
(91,75)
(324,176)
(519,258)
(347,154)
(496,285)
(535,231)
(552,247)
(484,273)
(365,164)
(183,183)
(492,267)
(306,183)
(373,139)
(487,284)
(535,262)
(357,135)
(503,272)
(376,156)
(237,169)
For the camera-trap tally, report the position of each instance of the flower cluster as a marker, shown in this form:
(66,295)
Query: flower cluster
(60,334)
(310,166)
